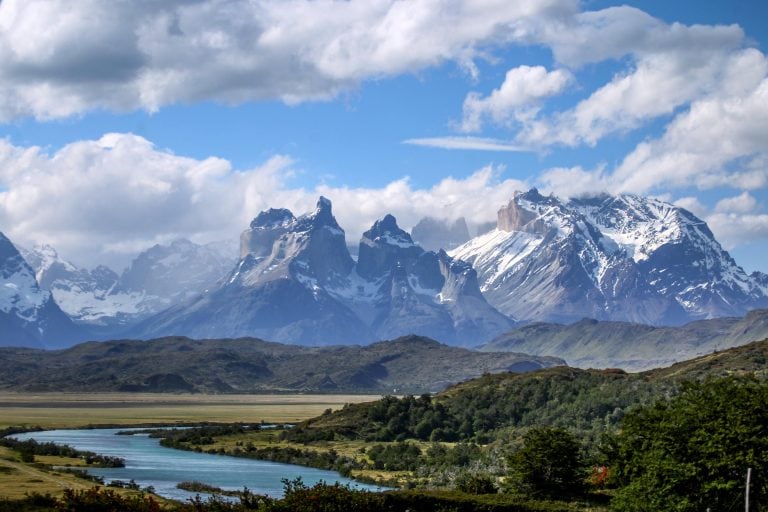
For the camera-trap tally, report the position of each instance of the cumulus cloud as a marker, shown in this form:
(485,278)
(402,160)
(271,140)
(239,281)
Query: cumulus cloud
(573,181)
(516,100)
(670,65)
(743,203)
(722,140)
(734,229)
(102,201)
(693,205)
(63,57)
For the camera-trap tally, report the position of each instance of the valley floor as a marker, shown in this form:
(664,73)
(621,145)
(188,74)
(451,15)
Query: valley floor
(69,410)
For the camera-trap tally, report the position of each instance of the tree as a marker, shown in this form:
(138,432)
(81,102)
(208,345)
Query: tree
(548,464)
(692,452)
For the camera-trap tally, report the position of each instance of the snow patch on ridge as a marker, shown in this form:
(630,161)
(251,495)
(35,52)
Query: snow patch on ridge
(497,253)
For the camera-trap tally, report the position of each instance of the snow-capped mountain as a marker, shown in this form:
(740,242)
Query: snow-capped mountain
(612,258)
(165,275)
(296,282)
(678,253)
(161,276)
(29,316)
(397,287)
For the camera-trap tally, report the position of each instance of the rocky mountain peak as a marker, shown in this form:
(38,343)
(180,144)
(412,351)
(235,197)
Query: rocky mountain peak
(28,315)
(265,229)
(608,257)
(10,258)
(522,214)
(297,282)
(386,231)
(7,249)
(273,218)
(384,247)
(322,217)
(310,248)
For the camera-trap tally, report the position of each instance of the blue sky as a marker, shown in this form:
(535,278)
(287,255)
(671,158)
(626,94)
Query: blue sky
(127,124)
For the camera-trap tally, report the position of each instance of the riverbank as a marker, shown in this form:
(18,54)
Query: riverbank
(152,466)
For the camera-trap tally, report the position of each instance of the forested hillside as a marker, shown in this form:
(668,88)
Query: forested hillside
(410,364)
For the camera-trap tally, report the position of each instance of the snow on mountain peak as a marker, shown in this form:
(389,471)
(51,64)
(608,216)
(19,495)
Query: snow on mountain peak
(19,291)
(387,231)
(625,258)
(273,218)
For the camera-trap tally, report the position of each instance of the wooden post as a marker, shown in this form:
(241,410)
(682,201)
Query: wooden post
(746,492)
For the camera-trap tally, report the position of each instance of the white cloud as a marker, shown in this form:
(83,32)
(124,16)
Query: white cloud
(573,181)
(472,143)
(720,141)
(614,32)
(516,100)
(477,198)
(743,203)
(734,229)
(670,65)
(102,201)
(693,205)
(62,57)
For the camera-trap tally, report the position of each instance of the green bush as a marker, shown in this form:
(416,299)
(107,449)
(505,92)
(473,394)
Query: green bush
(548,464)
(692,452)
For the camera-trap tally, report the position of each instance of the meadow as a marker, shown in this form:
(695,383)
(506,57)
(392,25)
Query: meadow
(70,410)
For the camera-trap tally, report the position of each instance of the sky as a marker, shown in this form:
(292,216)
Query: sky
(129,123)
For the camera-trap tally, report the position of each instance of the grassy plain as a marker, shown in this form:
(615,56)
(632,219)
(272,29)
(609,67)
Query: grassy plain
(18,478)
(63,410)
(69,410)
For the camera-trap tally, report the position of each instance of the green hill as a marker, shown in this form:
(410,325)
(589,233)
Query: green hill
(410,364)
(633,347)
(590,402)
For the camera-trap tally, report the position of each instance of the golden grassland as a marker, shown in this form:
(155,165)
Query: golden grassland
(18,479)
(63,410)
(69,410)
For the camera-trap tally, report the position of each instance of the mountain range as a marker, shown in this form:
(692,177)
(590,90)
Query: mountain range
(611,258)
(591,343)
(296,282)
(105,302)
(28,314)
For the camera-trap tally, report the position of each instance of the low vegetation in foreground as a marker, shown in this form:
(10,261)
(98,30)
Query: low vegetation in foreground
(298,497)
(677,439)
(684,435)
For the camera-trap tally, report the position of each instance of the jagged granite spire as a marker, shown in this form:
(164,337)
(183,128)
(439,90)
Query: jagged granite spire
(297,283)
(383,247)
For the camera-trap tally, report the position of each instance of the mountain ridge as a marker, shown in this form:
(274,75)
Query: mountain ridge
(296,282)
(590,343)
(29,316)
(178,364)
